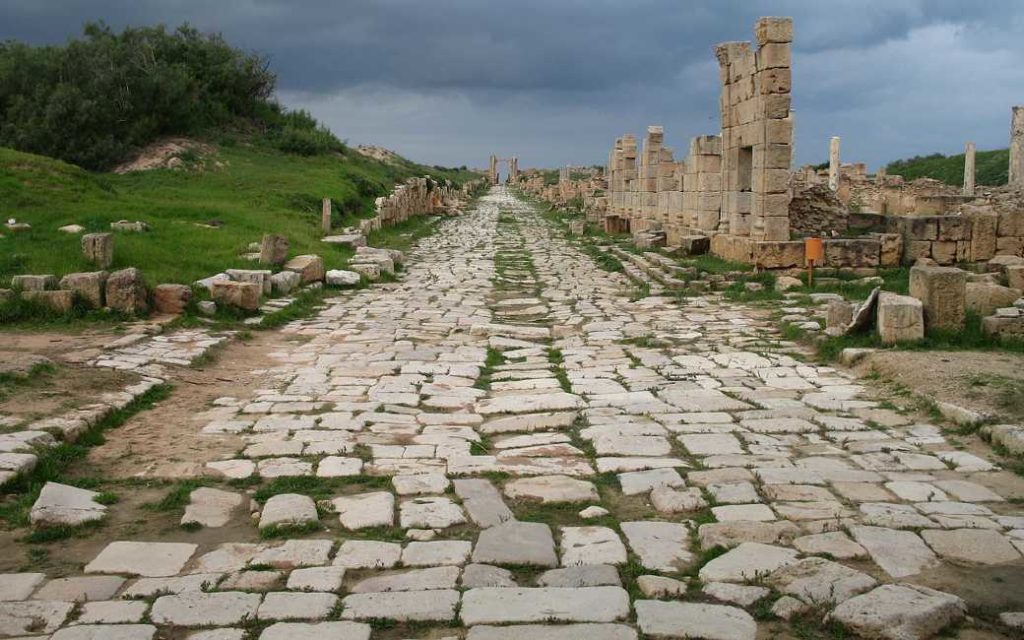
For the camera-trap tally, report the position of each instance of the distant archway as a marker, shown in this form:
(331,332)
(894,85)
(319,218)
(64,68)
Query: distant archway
(494,173)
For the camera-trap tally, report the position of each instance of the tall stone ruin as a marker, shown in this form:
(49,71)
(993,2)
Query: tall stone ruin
(757,131)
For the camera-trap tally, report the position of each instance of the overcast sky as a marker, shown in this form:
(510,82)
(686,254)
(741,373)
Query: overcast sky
(556,81)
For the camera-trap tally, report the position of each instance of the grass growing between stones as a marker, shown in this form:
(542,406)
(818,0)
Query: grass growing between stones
(493,360)
(177,498)
(306,304)
(320,488)
(54,462)
(289,531)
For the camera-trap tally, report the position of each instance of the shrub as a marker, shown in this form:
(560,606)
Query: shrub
(95,100)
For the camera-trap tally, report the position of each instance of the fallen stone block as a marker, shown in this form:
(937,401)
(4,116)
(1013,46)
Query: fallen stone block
(900,318)
(171,298)
(273,249)
(56,301)
(34,282)
(309,267)
(242,295)
(98,249)
(125,225)
(341,278)
(353,240)
(285,282)
(984,298)
(207,283)
(259,277)
(90,286)
(369,270)
(942,292)
(126,291)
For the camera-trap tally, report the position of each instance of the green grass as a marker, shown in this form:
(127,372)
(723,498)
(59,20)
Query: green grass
(318,488)
(39,374)
(178,496)
(991,168)
(710,263)
(289,531)
(493,360)
(256,191)
(738,292)
(604,260)
(895,280)
(970,338)
(54,461)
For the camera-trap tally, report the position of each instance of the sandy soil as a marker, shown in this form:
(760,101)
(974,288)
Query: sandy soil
(990,382)
(165,442)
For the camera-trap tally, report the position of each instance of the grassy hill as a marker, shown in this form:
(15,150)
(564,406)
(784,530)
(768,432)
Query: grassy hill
(990,167)
(201,221)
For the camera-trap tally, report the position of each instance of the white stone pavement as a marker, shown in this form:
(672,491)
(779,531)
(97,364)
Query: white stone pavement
(677,424)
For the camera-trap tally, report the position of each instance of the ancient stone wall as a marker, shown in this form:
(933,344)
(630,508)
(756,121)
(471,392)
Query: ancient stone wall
(815,210)
(420,196)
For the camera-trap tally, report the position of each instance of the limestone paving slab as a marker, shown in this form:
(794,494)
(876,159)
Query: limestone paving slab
(659,619)
(19,586)
(107,632)
(516,543)
(510,605)
(205,609)
(591,545)
(147,559)
(317,631)
(436,605)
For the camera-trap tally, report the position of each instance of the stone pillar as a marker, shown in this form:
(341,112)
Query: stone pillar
(325,215)
(969,169)
(1017,148)
(833,164)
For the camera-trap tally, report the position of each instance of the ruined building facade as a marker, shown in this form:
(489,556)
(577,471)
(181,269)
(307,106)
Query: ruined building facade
(738,188)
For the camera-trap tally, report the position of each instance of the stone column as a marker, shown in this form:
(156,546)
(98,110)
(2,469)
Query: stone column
(325,215)
(1017,148)
(969,169)
(833,164)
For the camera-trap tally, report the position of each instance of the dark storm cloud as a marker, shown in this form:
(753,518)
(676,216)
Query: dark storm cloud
(556,81)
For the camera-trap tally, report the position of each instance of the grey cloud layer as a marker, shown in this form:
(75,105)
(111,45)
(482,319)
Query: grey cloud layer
(557,80)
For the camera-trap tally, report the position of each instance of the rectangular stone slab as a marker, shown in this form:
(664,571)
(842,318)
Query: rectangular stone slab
(496,605)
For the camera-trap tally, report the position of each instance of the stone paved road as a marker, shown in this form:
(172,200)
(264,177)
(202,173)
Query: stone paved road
(566,460)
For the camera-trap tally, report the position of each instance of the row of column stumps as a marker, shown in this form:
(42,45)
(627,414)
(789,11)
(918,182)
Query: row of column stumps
(1016,171)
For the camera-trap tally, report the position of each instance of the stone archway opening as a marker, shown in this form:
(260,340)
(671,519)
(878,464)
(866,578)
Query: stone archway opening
(511,166)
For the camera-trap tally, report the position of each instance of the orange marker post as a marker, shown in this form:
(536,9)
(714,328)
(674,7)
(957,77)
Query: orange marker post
(814,252)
